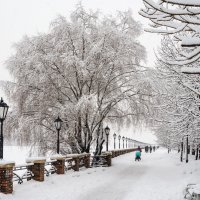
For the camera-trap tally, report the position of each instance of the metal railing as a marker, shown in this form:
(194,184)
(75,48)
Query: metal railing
(21,172)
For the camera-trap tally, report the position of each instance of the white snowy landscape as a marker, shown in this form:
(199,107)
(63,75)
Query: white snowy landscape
(100,100)
(159,176)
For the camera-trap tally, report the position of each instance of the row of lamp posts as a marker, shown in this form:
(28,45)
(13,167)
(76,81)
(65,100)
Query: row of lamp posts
(3,113)
(58,122)
(123,139)
(107,132)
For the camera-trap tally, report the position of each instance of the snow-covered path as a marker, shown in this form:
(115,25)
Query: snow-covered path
(159,176)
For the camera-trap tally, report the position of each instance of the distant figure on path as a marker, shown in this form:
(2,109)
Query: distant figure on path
(150,149)
(139,149)
(137,155)
(146,149)
(154,148)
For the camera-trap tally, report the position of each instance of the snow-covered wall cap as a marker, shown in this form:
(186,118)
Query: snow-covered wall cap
(76,155)
(5,163)
(36,160)
(24,165)
(57,157)
(107,153)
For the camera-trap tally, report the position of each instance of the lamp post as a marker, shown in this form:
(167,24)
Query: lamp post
(123,141)
(126,142)
(119,137)
(187,149)
(58,123)
(183,148)
(129,142)
(3,112)
(107,131)
(114,136)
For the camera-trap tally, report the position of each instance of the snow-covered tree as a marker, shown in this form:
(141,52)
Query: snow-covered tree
(176,101)
(86,70)
(180,19)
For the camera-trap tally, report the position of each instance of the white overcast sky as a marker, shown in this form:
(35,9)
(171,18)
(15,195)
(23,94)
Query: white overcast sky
(29,17)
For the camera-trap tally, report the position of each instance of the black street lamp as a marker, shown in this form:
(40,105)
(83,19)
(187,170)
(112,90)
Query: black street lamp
(123,141)
(119,137)
(130,142)
(58,123)
(126,142)
(182,149)
(114,136)
(107,131)
(187,149)
(3,112)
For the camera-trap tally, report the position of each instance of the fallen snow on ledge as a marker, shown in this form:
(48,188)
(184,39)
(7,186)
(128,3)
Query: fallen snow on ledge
(35,158)
(6,162)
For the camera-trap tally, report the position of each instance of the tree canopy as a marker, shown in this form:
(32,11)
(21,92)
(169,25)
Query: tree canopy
(87,70)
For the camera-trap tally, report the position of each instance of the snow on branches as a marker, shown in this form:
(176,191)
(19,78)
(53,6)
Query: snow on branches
(85,68)
(179,18)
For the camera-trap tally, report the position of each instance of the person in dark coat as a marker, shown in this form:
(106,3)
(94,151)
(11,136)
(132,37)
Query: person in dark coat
(154,148)
(150,148)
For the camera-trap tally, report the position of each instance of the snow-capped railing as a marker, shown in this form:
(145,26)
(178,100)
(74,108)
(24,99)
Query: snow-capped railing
(6,176)
(119,152)
(37,168)
(21,172)
(76,161)
(103,160)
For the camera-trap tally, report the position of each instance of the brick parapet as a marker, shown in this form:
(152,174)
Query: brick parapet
(37,169)
(6,178)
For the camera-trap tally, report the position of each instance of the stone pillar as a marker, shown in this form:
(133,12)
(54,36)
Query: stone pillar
(59,165)
(77,162)
(113,154)
(37,169)
(109,159)
(87,160)
(6,177)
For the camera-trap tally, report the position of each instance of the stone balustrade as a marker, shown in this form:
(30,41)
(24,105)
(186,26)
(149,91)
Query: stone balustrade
(6,177)
(36,167)
(119,152)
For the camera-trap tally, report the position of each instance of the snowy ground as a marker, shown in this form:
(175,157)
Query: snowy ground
(159,176)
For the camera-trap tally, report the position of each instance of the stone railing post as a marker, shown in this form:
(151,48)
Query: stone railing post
(6,177)
(113,154)
(77,162)
(37,168)
(59,164)
(109,159)
(87,160)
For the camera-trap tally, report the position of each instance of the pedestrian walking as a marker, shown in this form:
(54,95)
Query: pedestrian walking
(150,148)
(154,148)
(137,155)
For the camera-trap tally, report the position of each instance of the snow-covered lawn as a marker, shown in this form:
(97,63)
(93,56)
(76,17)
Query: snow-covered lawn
(159,176)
